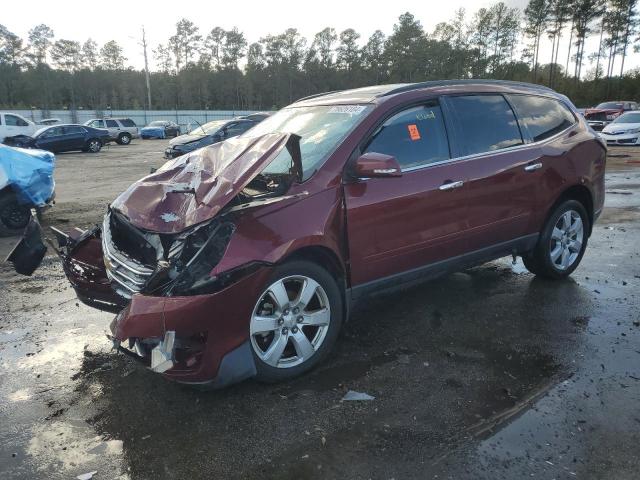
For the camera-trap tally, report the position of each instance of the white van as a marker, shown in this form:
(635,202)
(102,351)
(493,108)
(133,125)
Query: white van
(13,124)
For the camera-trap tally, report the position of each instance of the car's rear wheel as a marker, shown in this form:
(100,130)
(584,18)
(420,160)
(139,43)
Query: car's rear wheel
(562,242)
(14,217)
(94,145)
(124,139)
(295,321)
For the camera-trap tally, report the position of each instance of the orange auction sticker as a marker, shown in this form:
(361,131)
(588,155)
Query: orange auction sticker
(414,134)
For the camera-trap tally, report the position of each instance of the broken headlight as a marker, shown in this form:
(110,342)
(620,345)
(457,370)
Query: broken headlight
(201,252)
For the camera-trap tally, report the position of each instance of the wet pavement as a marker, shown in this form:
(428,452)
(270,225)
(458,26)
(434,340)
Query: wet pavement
(489,373)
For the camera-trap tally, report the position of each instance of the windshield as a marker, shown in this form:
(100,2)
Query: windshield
(39,131)
(209,128)
(610,106)
(157,123)
(321,129)
(628,118)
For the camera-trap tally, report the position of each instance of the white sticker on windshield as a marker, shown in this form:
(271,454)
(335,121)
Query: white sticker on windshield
(351,109)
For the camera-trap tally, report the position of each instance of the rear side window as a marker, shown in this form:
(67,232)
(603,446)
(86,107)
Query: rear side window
(486,123)
(73,130)
(127,122)
(543,117)
(111,124)
(415,137)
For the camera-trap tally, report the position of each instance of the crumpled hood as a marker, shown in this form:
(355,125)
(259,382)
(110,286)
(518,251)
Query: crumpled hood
(193,188)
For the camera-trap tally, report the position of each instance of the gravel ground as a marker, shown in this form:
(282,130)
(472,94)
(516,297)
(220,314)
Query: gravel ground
(489,373)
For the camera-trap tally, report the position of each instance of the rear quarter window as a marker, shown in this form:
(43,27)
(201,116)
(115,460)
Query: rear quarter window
(485,123)
(127,122)
(542,117)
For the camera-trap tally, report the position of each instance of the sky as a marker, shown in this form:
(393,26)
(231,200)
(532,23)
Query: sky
(123,22)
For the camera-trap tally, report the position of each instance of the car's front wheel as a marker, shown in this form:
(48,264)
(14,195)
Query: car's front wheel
(562,242)
(295,321)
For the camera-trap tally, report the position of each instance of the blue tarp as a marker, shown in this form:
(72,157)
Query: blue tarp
(155,132)
(29,173)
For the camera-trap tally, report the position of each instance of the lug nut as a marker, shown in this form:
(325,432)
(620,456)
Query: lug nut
(285,330)
(294,330)
(280,321)
(300,319)
(296,310)
(286,311)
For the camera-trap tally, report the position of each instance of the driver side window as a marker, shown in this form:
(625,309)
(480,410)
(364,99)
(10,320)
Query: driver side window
(415,137)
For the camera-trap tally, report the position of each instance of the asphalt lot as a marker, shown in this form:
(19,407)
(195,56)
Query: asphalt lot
(485,374)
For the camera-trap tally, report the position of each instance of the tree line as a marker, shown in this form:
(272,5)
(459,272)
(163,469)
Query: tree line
(219,69)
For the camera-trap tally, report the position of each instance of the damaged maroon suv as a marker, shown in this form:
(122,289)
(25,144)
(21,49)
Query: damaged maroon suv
(244,258)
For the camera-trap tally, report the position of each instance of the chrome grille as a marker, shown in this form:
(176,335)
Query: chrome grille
(128,276)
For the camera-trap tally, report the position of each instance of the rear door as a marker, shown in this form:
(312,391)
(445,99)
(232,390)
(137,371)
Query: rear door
(113,127)
(74,137)
(402,223)
(501,187)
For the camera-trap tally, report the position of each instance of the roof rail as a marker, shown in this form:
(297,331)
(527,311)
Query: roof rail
(316,95)
(439,83)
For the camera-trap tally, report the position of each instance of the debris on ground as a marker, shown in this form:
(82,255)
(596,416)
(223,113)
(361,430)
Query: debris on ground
(87,476)
(352,396)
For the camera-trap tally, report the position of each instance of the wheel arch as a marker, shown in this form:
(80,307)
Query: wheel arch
(329,260)
(580,193)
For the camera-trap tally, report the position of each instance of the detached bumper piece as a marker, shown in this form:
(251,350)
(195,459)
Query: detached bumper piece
(162,354)
(27,255)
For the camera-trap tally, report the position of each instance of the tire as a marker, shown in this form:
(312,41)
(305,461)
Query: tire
(13,216)
(278,332)
(557,255)
(123,139)
(93,145)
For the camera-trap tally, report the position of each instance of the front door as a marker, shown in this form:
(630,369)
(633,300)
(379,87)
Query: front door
(399,224)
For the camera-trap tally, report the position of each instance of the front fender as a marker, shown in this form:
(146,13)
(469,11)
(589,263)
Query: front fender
(271,234)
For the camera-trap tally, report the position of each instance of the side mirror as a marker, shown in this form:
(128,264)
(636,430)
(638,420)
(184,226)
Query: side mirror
(374,164)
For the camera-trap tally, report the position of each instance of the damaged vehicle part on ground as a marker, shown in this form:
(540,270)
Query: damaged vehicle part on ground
(243,258)
(26,182)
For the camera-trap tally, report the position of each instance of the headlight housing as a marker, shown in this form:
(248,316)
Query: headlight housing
(202,251)
(633,130)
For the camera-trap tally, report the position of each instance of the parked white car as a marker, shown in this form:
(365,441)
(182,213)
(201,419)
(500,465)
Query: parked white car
(624,130)
(12,124)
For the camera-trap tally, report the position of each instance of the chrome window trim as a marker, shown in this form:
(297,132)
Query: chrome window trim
(484,154)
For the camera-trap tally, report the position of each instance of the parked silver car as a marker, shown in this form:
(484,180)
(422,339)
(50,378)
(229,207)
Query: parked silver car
(121,130)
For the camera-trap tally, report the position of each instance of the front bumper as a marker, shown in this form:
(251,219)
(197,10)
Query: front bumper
(210,343)
(620,139)
(170,153)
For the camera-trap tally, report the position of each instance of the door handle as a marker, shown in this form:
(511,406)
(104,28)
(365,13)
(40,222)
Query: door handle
(533,167)
(451,185)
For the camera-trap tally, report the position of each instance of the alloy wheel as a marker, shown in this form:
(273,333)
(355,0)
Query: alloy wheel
(566,240)
(94,146)
(290,321)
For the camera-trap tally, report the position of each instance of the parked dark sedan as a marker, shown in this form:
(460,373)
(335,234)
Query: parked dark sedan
(64,138)
(208,134)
